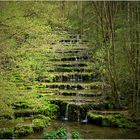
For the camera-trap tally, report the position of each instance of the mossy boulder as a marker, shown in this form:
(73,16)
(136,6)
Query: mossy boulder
(25,113)
(21,105)
(38,124)
(6,133)
(23,130)
(110,120)
(45,119)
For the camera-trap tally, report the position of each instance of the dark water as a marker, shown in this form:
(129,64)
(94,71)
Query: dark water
(12,123)
(90,131)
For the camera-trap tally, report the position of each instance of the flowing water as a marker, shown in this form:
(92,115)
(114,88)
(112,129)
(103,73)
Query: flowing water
(89,131)
(66,112)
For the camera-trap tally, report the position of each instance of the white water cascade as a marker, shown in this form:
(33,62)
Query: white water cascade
(85,120)
(66,112)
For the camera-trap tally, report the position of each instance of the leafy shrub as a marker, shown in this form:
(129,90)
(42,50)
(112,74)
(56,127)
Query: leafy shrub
(48,110)
(61,133)
(114,120)
(38,124)
(45,119)
(6,133)
(21,105)
(50,135)
(23,130)
(75,135)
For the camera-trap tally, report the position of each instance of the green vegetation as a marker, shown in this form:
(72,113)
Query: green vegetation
(23,130)
(38,54)
(111,120)
(61,133)
(6,133)
(75,135)
(38,124)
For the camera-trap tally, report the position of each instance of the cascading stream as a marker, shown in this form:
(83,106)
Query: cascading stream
(66,113)
(73,70)
(85,120)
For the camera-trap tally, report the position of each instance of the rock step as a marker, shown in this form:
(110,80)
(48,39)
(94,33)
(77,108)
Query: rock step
(73,65)
(73,73)
(110,118)
(71,69)
(77,109)
(76,86)
(85,93)
(109,112)
(78,100)
(72,48)
(76,59)
(70,77)
(73,77)
(68,55)
(71,51)
(69,63)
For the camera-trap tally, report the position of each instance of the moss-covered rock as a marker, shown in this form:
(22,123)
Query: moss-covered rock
(23,130)
(111,120)
(6,133)
(25,112)
(38,124)
(21,105)
(45,119)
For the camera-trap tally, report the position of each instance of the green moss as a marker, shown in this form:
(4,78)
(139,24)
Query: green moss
(38,124)
(61,133)
(23,130)
(113,120)
(75,135)
(21,105)
(24,113)
(48,110)
(6,133)
(45,119)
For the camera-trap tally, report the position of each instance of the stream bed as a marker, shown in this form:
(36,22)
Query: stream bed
(89,131)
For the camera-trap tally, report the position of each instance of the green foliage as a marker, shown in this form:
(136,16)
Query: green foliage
(114,120)
(61,133)
(45,119)
(6,133)
(8,95)
(30,102)
(75,135)
(23,130)
(21,105)
(24,47)
(38,124)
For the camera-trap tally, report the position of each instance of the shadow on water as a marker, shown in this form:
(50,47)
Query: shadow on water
(89,131)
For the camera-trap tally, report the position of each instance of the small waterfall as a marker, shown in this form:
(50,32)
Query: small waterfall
(65,87)
(78,116)
(76,88)
(60,79)
(87,56)
(66,112)
(85,120)
(80,78)
(71,78)
(74,78)
(76,59)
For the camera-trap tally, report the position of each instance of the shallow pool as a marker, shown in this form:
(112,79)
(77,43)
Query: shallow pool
(90,131)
